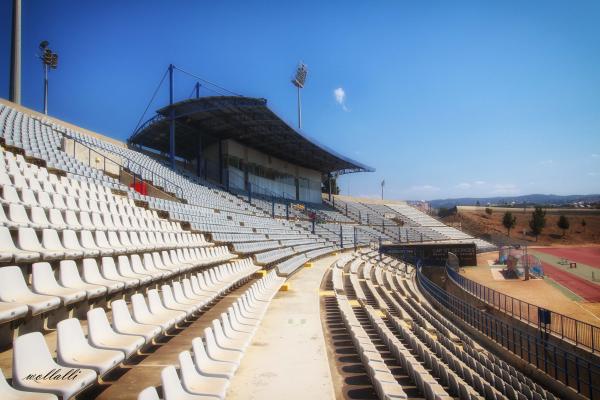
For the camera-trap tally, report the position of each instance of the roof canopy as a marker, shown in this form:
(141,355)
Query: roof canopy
(246,120)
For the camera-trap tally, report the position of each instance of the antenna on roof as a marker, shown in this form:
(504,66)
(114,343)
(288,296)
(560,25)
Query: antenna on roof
(299,80)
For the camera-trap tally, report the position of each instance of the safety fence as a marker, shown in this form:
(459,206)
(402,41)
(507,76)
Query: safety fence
(561,364)
(566,328)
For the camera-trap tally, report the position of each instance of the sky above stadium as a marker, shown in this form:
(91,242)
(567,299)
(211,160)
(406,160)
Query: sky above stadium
(444,99)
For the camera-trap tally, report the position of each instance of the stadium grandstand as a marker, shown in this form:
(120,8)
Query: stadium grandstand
(201,259)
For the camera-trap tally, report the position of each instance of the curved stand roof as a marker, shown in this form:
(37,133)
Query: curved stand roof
(246,120)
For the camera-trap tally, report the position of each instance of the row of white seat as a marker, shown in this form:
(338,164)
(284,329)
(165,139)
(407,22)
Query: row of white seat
(48,293)
(69,244)
(386,386)
(108,345)
(208,373)
(19,215)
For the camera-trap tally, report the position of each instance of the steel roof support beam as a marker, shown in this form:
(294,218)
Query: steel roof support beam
(171,120)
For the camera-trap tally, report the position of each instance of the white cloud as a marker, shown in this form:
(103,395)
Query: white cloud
(593,173)
(479,182)
(463,185)
(340,98)
(595,155)
(546,162)
(505,189)
(424,188)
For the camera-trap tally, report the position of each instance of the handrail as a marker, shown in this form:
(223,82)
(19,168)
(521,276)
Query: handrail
(575,371)
(581,333)
(179,192)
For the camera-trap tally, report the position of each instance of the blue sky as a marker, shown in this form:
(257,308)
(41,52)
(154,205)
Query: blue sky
(444,99)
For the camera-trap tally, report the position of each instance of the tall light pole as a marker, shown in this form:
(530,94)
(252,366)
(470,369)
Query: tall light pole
(382,185)
(298,81)
(49,60)
(15,64)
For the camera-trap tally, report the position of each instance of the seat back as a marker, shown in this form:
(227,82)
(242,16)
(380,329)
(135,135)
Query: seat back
(12,283)
(149,393)
(30,355)
(70,339)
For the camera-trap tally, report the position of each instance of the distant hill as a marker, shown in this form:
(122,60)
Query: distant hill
(542,199)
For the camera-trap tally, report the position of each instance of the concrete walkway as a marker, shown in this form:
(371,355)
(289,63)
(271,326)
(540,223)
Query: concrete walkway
(288,357)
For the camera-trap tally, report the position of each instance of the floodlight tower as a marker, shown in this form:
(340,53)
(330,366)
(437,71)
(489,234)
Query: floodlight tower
(298,81)
(49,60)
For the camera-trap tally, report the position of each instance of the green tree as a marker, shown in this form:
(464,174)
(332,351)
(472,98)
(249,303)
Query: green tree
(488,211)
(583,224)
(537,222)
(563,223)
(446,212)
(509,221)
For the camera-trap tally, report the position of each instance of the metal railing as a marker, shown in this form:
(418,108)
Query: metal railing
(561,364)
(136,176)
(577,332)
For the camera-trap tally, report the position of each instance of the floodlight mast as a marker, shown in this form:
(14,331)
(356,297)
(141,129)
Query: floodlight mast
(49,60)
(299,81)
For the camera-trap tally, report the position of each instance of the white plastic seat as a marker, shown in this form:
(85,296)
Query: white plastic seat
(102,335)
(122,322)
(31,357)
(28,241)
(195,292)
(71,218)
(149,393)
(181,296)
(51,241)
(73,349)
(88,241)
(157,307)
(208,366)
(12,311)
(115,243)
(40,220)
(125,270)
(140,267)
(217,353)
(173,390)
(56,219)
(109,271)
(10,195)
(195,382)
(91,274)
(169,302)
(44,282)
(226,342)
(7,392)
(17,214)
(71,241)
(102,241)
(68,276)
(143,315)
(13,289)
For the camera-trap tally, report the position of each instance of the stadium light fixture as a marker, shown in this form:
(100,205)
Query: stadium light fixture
(299,80)
(49,61)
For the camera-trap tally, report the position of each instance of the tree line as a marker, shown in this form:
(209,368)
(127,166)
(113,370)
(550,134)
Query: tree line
(537,223)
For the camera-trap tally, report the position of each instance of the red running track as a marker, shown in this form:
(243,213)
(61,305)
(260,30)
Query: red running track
(584,288)
(585,255)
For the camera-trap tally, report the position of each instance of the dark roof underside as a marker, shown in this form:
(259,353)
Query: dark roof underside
(245,120)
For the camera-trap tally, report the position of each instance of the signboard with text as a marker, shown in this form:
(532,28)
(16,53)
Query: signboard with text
(432,253)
